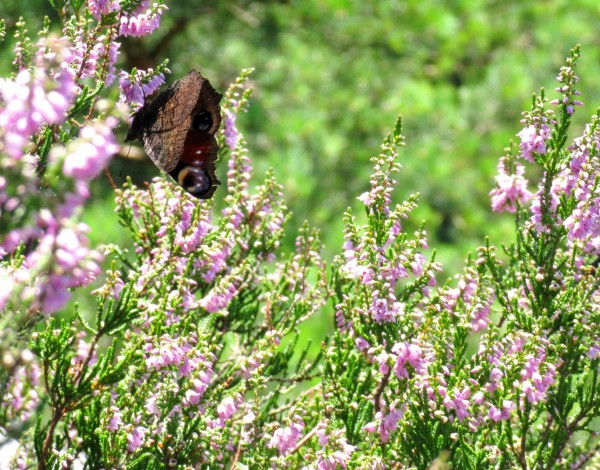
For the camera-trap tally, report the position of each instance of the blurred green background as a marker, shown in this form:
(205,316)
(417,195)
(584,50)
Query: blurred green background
(331,77)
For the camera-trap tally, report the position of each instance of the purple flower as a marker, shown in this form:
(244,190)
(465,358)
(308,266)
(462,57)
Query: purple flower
(135,87)
(335,452)
(384,424)
(37,97)
(151,406)
(284,439)
(226,410)
(533,140)
(87,155)
(219,297)
(231,132)
(7,285)
(169,351)
(116,421)
(459,403)
(511,189)
(537,210)
(136,438)
(410,354)
(100,8)
(142,21)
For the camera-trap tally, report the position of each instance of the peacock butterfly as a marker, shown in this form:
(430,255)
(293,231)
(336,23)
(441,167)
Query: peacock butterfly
(178,131)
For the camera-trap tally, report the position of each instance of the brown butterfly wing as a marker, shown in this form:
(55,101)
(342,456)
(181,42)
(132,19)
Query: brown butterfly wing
(177,130)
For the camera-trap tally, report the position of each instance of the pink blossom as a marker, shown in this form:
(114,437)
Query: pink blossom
(100,8)
(218,298)
(169,351)
(141,22)
(361,344)
(231,132)
(459,402)
(151,406)
(226,409)
(480,317)
(511,189)
(137,86)
(284,439)
(116,421)
(410,354)
(87,155)
(533,139)
(384,424)
(136,438)
(37,97)
(335,452)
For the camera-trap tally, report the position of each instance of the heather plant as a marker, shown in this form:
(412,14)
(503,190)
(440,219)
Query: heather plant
(193,356)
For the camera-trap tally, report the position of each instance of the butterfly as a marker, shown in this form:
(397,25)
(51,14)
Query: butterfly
(178,129)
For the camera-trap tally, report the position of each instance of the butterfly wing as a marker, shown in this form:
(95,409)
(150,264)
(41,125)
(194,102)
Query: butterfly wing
(177,130)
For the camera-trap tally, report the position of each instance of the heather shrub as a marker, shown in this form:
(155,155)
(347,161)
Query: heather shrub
(193,356)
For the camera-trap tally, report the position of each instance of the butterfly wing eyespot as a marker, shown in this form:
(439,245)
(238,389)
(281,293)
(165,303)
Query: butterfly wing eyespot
(202,121)
(195,171)
(196,181)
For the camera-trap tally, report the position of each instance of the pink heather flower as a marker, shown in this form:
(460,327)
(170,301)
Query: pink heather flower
(497,414)
(536,210)
(65,258)
(115,422)
(88,54)
(481,317)
(410,354)
(218,298)
(326,459)
(151,406)
(199,386)
(20,397)
(231,132)
(284,439)
(141,22)
(135,89)
(594,351)
(384,424)
(87,155)
(7,284)
(478,398)
(511,189)
(361,344)
(366,198)
(136,438)
(386,310)
(459,403)
(169,352)
(100,8)
(340,320)
(418,263)
(226,409)
(35,98)
(533,140)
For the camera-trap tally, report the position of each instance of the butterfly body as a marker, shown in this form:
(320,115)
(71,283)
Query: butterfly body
(178,131)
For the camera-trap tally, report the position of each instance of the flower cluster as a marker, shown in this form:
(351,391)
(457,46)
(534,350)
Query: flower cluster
(36,97)
(487,354)
(511,190)
(139,84)
(143,20)
(569,194)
